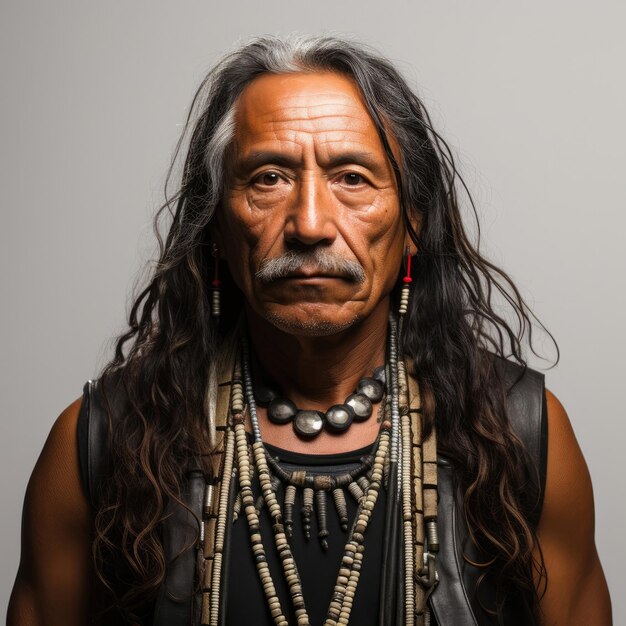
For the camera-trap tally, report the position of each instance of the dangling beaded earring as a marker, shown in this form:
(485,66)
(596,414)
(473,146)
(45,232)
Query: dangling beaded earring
(407,280)
(215,285)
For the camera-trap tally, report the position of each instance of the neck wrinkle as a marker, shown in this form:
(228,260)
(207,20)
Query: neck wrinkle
(317,372)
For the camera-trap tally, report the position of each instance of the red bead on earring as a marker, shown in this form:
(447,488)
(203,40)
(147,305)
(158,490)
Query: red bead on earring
(215,285)
(407,280)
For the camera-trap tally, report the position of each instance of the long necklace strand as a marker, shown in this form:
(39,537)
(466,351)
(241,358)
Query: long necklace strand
(353,552)
(395,410)
(391,545)
(222,520)
(224,499)
(407,504)
(348,577)
(252,517)
(214,520)
(292,576)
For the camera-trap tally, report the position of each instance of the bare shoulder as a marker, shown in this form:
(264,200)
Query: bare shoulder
(576,590)
(568,483)
(55,484)
(54,572)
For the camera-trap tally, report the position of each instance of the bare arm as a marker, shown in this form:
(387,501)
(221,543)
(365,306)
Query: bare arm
(53,583)
(577,593)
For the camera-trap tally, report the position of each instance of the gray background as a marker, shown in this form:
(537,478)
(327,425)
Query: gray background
(530,95)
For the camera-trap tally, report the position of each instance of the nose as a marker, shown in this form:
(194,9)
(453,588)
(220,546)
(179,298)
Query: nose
(311,217)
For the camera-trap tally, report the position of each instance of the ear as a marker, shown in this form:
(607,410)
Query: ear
(215,239)
(416,221)
(410,245)
(215,229)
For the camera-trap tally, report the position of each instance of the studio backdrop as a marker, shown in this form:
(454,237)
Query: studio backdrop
(530,96)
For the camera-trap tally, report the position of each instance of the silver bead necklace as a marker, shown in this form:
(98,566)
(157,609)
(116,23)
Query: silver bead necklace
(309,423)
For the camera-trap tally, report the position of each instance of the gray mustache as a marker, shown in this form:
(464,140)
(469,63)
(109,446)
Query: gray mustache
(320,259)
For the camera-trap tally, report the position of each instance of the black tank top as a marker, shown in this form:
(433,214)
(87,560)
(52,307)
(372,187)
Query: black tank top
(246,603)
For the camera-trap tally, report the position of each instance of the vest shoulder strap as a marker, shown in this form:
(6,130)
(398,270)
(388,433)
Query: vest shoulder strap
(527,412)
(454,600)
(175,602)
(92,439)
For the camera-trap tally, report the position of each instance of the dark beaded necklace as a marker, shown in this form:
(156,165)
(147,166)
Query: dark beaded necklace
(308,423)
(356,481)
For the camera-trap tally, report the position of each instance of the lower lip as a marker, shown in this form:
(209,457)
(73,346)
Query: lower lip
(311,279)
(309,282)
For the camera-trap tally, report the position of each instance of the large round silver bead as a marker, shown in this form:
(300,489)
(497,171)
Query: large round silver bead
(308,424)
(380,374)
(371,388)
(281,410)
(339,417)
(263,394)
(361,405)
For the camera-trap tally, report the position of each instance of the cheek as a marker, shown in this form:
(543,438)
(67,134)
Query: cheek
(251,215)
(387,259)
(250,232)
(235,239)
(380,246)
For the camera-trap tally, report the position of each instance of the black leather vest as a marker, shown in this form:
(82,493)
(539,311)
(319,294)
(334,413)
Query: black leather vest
(453,601)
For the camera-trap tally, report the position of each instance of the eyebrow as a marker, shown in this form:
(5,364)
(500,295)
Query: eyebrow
(258,158)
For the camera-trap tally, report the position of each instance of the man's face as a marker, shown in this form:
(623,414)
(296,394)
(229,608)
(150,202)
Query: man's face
(310,224)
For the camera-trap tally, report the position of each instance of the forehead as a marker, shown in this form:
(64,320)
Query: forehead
(321,108)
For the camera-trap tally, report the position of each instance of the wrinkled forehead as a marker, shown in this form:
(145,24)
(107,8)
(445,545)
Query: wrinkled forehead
(300,96)
(322,107)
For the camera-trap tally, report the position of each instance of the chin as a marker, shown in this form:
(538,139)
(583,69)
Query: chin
(312,326)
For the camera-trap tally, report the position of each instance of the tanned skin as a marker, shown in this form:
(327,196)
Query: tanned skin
(577,592)
(293,186)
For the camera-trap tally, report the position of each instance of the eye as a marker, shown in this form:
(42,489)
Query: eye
(353,179)
(267,179)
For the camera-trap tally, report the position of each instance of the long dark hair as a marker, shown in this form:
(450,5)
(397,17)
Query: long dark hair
(453,331)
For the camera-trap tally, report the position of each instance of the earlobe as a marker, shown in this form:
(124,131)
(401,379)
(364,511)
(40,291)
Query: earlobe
(415,219)
(409,245)
(215,232)
(215,240)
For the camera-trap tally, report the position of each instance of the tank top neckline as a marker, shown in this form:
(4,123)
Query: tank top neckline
(301,458)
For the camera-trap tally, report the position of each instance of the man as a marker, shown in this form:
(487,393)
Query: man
(317,200)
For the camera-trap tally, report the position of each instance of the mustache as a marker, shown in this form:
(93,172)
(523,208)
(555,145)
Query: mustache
(320,259)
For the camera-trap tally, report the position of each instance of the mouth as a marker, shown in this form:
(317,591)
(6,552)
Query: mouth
(311,276)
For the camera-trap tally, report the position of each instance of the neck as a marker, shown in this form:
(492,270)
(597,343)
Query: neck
(316,372)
